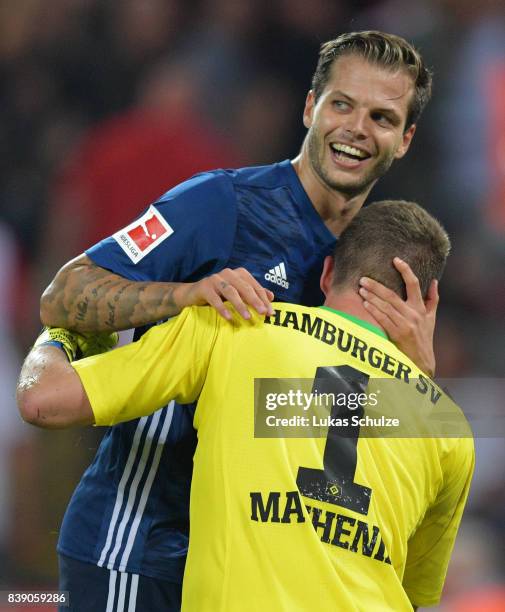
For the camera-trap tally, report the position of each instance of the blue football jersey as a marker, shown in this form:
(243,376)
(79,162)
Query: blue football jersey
(130,512)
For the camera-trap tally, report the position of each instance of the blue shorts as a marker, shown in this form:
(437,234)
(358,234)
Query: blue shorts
(97,589)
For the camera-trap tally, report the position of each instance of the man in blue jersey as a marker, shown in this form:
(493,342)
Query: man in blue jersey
(125,533)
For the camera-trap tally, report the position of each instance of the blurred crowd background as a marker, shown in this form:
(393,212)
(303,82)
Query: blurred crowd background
(106,104)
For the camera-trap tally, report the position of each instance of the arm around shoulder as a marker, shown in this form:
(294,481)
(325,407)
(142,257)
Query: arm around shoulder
(85,297)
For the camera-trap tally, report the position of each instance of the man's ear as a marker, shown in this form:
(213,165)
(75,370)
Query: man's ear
(327,275)
(406,140)
(308,111)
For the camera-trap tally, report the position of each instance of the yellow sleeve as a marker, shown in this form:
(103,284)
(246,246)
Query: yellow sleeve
(430,548)
(169,362)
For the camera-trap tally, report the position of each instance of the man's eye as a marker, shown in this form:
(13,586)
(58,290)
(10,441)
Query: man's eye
(381,119)
(340,104)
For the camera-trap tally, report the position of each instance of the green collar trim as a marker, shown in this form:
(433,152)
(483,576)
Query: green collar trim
(365,324)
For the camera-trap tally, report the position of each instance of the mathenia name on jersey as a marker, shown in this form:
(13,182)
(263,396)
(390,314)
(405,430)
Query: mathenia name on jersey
(337,529)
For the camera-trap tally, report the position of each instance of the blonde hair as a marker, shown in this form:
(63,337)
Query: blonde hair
(388,229)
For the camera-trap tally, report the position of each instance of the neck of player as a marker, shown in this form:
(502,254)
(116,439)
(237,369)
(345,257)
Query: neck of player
(350,302)
(335,208)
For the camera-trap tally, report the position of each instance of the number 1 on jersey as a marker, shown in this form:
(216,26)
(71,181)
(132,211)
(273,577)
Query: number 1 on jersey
(335,484)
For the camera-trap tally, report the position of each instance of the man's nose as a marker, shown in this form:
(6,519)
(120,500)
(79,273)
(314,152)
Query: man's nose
(356,125)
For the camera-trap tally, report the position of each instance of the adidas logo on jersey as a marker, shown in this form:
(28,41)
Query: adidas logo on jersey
(277,275)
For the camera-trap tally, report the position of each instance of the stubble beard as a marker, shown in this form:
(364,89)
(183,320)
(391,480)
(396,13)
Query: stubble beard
(316,149)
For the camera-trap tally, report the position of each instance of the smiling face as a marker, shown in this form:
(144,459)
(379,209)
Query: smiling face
(357,126)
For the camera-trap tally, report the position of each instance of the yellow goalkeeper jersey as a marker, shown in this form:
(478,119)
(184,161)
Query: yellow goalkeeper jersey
(294,515)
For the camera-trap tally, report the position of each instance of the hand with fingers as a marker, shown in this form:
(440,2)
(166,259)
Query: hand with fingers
(236,286)
(409,323)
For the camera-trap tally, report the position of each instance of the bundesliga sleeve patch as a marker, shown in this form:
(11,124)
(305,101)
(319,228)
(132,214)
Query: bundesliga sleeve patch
(143,235)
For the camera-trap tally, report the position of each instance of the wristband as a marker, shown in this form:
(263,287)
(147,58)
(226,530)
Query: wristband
(62,338)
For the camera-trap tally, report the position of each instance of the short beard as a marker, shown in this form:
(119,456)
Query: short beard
(316,148)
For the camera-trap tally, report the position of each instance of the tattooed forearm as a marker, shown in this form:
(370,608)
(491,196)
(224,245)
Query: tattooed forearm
(86,297)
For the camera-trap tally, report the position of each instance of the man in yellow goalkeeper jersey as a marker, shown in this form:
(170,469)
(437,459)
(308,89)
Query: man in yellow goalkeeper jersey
(334,519)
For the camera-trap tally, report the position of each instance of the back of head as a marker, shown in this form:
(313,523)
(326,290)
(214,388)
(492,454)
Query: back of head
(388,229)
(386,50)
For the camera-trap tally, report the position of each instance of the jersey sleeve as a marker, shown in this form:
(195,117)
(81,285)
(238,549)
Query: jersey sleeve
(187,234)
(429,549)
(169,362)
